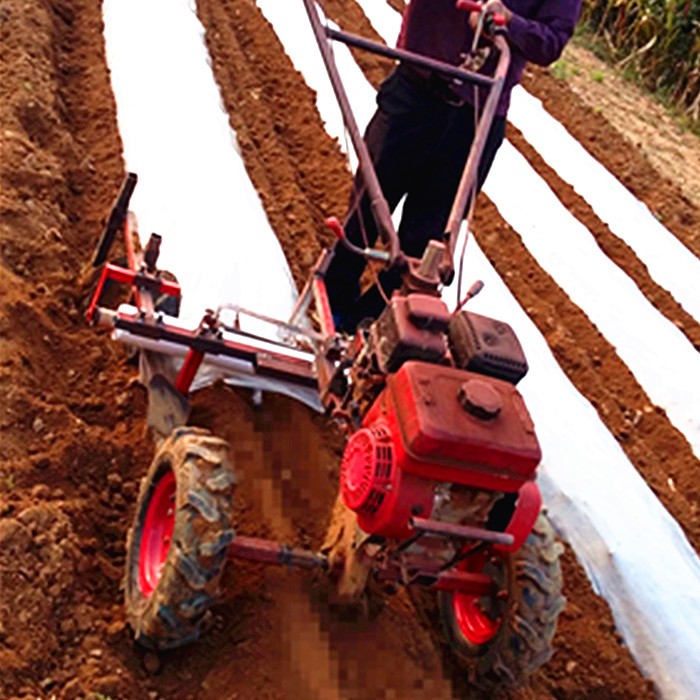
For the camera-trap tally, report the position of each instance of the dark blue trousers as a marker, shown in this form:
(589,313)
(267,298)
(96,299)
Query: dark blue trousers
(419,143)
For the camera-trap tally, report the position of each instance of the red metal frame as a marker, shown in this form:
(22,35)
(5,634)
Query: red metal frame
(473,621)
(185,377)
(138,280)
(297,371)
(527,508)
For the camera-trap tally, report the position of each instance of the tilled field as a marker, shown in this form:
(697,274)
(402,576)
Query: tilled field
(73,444)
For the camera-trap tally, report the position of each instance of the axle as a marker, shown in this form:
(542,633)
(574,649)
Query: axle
(271,552)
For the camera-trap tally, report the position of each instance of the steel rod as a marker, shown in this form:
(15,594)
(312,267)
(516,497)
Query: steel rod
(415,59)
(379,206)
(464,582)
(466,532)
(467,184)
(271,552)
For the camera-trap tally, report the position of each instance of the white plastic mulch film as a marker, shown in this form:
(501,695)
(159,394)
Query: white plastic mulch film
(194,190)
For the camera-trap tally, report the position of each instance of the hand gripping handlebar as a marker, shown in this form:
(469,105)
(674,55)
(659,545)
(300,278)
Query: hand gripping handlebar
(472,6)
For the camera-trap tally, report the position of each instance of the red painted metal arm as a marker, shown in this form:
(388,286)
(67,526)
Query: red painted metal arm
(137,279)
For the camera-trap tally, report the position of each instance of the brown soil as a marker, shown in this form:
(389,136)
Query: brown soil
(73,443)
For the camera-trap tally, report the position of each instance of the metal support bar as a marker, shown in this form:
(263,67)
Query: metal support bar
(294,329)
(380,208)
(271,552)
(299,372)
(115,220)
(415,59)
(468,181)
(304,299)
(323,306)
(136,279)
(188,371)
(464,532)
(449,580)
(464,582)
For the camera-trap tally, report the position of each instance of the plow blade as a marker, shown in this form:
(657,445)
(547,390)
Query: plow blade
(167,407)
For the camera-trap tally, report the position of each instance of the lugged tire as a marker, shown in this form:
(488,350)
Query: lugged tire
(170,615)
(523,642)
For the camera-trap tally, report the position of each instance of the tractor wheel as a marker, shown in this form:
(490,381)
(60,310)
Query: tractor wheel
(176,548)
(503,640)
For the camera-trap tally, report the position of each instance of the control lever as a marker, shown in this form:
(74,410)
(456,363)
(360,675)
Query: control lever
(370,253)
(471,293)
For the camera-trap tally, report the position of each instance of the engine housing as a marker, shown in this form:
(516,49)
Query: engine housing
(433,424)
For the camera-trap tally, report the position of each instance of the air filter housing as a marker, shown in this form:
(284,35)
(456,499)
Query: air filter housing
(487,346)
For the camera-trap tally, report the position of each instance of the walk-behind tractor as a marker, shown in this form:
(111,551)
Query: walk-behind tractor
(437,478)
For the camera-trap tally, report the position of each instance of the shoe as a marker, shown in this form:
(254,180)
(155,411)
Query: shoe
(344,324)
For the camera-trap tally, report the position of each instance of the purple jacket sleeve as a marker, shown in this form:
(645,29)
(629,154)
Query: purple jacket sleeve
(542,39)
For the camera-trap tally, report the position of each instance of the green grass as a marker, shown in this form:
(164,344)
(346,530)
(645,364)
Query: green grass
(560,70)
(600,47)
(657,42)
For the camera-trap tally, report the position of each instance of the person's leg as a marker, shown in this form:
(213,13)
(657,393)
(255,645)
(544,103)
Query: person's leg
(429,202)
(430,197)
(396,139)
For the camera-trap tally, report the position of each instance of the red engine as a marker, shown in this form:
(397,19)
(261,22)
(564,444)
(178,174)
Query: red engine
(432,424)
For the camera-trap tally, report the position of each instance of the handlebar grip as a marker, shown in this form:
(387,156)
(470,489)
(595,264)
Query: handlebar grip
(473,6)
(336,227)
(469,5)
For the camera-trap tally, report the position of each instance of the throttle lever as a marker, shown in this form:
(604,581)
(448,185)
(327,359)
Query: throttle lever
(370,253)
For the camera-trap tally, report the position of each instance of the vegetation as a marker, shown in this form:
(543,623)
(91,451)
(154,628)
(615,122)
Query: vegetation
(657,40)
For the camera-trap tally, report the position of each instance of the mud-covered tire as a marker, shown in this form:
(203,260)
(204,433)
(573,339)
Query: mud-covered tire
(172,581)
(528,617)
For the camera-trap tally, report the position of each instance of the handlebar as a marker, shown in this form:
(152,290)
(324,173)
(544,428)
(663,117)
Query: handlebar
(380,211)
(471,6)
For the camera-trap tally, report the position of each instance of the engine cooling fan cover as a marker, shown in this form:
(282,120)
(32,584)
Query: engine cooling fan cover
(374,485)
(367,468)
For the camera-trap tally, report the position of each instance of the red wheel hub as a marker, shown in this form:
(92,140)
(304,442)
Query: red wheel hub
(156,533)
(472,614)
